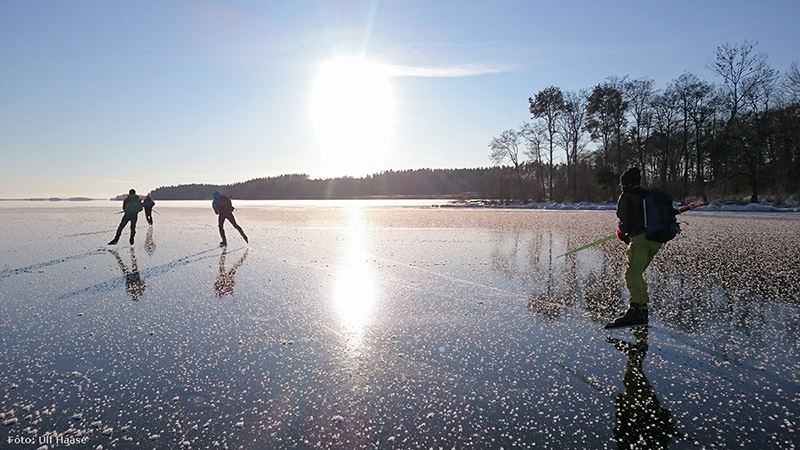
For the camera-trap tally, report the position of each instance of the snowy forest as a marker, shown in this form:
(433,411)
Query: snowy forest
(734,139)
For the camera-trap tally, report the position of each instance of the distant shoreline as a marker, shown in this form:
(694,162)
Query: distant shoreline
(478,204)
(51,199)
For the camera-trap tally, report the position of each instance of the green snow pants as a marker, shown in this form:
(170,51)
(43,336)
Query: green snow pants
(638,256)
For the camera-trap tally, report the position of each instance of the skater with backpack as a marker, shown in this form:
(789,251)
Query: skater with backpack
(646,222)
(131,206)
(223,207)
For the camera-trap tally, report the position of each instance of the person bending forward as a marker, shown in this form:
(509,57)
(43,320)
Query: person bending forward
(223,208)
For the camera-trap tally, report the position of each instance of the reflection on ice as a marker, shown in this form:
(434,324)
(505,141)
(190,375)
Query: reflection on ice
(227,278)
(149,243)
(354,290)
(641,420)
(134,284)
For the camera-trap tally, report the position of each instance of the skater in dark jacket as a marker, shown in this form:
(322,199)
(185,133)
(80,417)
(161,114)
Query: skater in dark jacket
(640,251)
(223,207)
(130,209)
(148,205)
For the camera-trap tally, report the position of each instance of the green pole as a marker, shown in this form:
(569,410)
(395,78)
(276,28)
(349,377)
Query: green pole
(590,244)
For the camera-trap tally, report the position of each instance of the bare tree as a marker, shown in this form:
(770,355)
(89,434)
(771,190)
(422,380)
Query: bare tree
(743,73)
(504,148)
(758,136)
(534,135)
(791,83)
(548,104)
(639,94)
(572,126)
(697,104)
(748,82)
(665,120)
(606,117)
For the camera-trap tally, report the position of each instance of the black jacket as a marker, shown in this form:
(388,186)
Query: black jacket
(630,210)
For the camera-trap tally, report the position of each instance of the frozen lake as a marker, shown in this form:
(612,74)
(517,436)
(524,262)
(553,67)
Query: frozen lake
(349,325)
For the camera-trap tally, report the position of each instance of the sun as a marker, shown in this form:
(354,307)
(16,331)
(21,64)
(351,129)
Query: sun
(352,110)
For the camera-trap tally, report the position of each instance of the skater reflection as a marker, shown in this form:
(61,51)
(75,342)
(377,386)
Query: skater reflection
(641,421)
(149,243)
(226,279)
(134,284)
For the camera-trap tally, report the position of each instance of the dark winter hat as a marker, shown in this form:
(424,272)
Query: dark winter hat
(631,177)
(132,191)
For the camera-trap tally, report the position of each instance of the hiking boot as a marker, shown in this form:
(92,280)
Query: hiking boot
(633,317)
(131,240)
(244,236)
(223,244)
(113,242)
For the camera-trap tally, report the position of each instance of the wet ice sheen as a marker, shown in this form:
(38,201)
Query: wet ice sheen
(387,327)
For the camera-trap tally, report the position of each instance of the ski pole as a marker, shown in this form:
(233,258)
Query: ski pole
(682,209)
(589,245)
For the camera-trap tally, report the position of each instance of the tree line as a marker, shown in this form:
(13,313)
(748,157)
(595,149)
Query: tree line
(730,140)
(737,138)
(420,183)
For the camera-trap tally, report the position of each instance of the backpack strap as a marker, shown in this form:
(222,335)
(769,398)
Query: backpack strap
(644,209)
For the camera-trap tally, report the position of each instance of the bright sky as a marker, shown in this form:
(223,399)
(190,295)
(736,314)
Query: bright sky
(100,96)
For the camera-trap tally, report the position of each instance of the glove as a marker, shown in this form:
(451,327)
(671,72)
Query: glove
(623,236)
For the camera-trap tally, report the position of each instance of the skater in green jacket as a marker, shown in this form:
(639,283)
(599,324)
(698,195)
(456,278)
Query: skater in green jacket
(130,208)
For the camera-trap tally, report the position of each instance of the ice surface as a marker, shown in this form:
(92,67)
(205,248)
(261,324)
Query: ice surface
(363,325)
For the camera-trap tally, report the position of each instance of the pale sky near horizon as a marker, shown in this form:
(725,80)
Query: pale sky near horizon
(97,97)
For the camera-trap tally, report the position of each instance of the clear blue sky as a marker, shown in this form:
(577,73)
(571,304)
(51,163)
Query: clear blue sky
(100,96)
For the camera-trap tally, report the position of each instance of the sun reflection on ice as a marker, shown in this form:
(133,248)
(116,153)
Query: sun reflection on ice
(354,291)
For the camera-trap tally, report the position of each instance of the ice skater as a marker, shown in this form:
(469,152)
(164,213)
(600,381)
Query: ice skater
(640,251)
(130,208)
(148,205)
(223,208)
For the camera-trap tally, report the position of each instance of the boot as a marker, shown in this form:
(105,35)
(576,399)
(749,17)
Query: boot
(635,316)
